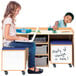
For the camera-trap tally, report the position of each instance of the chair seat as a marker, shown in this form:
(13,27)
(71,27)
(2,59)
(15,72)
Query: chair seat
(12,48)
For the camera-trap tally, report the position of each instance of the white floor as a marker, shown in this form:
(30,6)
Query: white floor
(60,70)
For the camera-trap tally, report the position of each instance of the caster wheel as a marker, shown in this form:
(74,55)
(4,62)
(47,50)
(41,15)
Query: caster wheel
(23,72)
(6,72)
(54,65)
(70,65)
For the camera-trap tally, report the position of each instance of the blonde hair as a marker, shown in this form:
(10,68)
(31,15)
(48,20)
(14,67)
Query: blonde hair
(11,9)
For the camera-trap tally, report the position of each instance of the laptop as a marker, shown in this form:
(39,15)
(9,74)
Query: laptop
(31,39)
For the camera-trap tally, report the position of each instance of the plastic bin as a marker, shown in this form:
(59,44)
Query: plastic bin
(40,39)
(41,49)
(23,30)
(41,61)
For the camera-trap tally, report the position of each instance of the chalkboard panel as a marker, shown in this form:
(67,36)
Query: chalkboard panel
(61,53)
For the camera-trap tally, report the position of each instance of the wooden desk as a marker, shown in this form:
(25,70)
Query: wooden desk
(62,33)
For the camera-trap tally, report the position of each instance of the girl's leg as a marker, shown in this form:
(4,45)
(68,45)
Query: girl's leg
(31,59)
(32,48)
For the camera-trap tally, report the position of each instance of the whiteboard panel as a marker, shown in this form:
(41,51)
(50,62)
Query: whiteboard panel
(61,53)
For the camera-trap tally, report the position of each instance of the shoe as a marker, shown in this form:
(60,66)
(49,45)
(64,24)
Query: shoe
(35,72)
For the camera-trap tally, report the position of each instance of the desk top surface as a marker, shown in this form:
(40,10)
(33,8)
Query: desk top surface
(46,32)
(58,32)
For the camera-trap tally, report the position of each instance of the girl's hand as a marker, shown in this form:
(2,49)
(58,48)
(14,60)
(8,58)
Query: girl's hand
(54,27)
(26,39)
(22,38)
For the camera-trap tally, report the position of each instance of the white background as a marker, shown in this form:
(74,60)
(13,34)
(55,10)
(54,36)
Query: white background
(42,13)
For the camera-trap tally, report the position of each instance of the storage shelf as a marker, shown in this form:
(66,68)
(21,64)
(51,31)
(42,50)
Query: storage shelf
(42,65)
(41,55)
(42,43)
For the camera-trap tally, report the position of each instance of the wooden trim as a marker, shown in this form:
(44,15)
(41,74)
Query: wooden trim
(33,28)
(50,52)
(68,28)
(48,47)
(13,70)
(25,59)
(61,63)
(13,50)
(60,44)
(42,65)
(46,28)
(41,54)
(65,28)
(73,50)
(42,43)
(1,59)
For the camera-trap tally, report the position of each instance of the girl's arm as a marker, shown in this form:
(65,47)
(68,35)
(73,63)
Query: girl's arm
(55,26)
(8,37)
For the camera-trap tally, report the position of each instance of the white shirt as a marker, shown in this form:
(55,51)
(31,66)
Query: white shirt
(12,31)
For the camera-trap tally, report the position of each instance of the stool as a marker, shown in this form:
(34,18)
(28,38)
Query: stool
(13,59)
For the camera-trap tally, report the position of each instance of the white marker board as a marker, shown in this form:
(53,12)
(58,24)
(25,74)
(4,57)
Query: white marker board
(61,53)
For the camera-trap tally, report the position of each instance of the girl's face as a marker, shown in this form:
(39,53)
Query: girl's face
(67,19)
(17,11)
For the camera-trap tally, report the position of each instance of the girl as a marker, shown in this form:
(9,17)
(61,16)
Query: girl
(68,18)
(9,35)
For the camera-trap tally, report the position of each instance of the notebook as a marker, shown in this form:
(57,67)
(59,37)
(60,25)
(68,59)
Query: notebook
(31,39)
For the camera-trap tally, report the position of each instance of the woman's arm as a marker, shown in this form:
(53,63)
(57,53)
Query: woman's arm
(55,26)
(8,37)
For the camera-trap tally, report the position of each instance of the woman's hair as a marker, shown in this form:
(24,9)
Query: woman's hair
(11,9)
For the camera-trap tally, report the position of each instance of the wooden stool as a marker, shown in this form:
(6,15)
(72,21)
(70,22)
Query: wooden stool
(13,59)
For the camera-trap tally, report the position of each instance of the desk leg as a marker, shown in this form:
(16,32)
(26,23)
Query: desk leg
(73,50)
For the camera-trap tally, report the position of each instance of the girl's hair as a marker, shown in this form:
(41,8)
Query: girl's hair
(70,14)
(10,9)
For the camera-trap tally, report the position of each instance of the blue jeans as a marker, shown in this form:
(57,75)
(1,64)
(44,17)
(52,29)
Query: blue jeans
(32,48)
